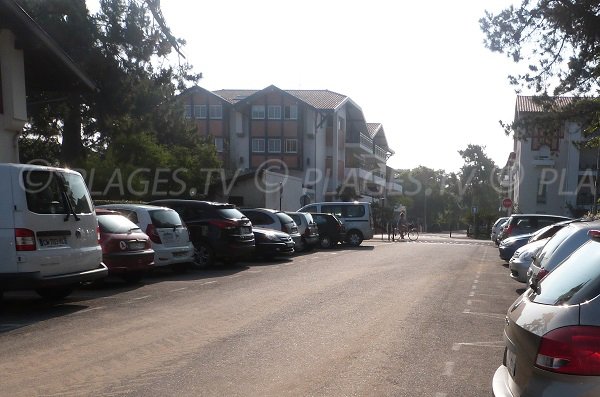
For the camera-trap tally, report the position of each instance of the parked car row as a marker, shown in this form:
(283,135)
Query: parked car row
(552,331)
(52,239)
(205,233)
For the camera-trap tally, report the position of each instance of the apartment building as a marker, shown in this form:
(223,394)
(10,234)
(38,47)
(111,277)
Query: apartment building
(317,138)
(551,172)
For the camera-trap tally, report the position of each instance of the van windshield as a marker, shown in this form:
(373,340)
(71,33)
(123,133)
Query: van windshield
(46,192)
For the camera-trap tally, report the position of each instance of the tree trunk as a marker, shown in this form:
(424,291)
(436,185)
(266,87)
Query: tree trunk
(72,144)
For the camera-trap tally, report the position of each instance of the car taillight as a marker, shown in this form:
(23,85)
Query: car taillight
(153,234)
(541,274)
(25,240)
(594,234)
(223,223)
(571,350)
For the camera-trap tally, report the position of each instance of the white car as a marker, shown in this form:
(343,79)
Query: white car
(522,258)
(169,235)
(497,228)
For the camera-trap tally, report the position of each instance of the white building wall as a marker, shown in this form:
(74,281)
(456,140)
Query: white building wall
(558,171)
(14,117)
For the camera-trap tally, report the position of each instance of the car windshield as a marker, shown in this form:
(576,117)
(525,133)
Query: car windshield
(116,224)
(553,244)
(576,281)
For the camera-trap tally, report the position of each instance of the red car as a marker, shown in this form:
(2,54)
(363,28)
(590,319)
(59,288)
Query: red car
(126,250)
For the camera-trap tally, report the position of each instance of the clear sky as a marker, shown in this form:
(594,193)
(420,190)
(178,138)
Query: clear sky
(417,67)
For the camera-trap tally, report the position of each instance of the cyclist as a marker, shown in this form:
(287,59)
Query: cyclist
(402,225)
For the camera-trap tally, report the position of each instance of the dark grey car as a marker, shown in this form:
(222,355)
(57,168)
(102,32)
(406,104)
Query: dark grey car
(552,333)
(528,223)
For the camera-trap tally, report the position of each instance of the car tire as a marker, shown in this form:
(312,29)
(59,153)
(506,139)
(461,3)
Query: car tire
(326,242)
(354,238)
(203,255)
(301,246)
(54,293)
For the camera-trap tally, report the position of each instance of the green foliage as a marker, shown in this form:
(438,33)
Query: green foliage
(559,41)
(129,131)
(444,200)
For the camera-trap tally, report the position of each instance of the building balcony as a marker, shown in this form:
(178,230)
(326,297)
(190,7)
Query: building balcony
(364,143)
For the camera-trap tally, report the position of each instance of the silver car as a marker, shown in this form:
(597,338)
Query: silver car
(497,228)
(552,333)
(561,245)
(522,258)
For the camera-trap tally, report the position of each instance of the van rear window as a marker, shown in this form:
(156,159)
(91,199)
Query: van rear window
(47,192)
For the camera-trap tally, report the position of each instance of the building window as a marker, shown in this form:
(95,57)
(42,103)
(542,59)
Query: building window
(219,144)
(541,191)
(187,111)
(274,112)
(341,124)
(291,112)
(274,145)
(258,112)
(216,112)
(291,146)
(200,111)
(258,145)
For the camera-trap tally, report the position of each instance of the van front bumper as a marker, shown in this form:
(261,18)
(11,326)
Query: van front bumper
(31,280)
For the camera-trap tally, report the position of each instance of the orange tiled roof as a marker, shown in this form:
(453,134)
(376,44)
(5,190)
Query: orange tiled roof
(319,99)
(534,104)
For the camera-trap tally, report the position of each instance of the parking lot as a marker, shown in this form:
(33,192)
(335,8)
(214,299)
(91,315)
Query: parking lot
(387,318)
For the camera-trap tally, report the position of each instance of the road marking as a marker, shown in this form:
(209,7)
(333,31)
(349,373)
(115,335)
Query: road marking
(491,315)
(449,368)
(441,394)
(142,297)
(456,346)
(472,294)
(178,289)
(469,302)
(254,271)
(475,281)
(89,309)
(208,282)
(474,287)
(479,344)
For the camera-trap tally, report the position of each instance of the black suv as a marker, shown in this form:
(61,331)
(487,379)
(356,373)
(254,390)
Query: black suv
(331,229)
(218,231)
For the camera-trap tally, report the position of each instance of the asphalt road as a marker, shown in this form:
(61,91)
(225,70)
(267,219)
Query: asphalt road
(385,319)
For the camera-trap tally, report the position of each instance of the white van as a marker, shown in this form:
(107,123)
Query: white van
(356,216)
(48,231)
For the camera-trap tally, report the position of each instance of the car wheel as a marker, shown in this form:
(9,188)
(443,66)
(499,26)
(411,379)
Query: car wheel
(301,246)
(354,238)
(133,277)
(54,293)
(203,255)
(326,242)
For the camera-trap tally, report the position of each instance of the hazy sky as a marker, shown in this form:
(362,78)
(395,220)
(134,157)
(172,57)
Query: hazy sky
(417,67)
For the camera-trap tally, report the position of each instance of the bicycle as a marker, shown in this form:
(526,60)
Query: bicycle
(410,231)
(413,232)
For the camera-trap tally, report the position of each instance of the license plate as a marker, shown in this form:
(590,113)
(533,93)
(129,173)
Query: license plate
(245,230)
(53,241)
(511,362)
(136,245)
(168,237)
